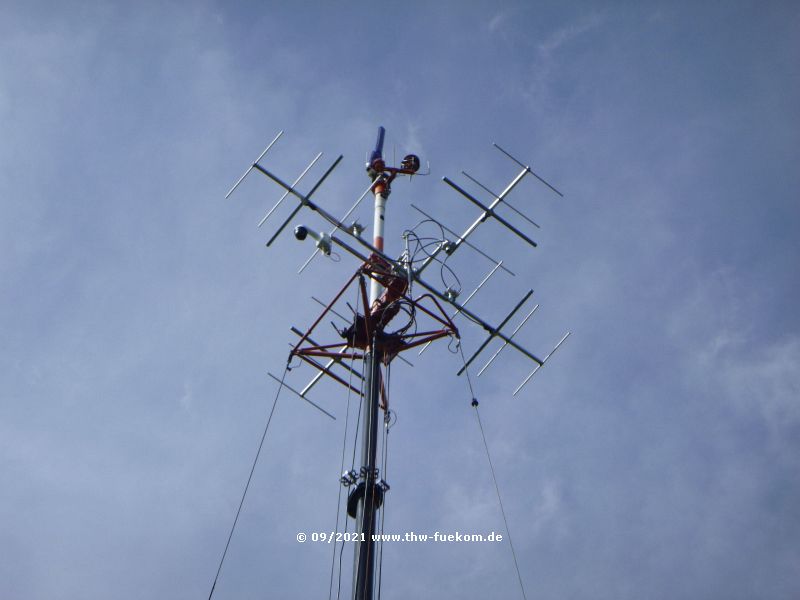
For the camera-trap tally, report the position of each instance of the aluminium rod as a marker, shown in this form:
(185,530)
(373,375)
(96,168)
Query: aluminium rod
(250,168)
(347,214)
(488,211)
(473,246)
(528,169)
(513,333)
(475,291)
(499,327)
(493,195)
(528,378)
(493,330)
(312,403)
(304,200)
(462,238)
(296,181)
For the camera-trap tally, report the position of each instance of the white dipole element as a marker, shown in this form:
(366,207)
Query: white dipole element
(381,195)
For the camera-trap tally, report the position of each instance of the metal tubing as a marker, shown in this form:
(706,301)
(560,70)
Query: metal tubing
(328,372)
(441,296)
(304,200)
(475,291)
(296,181)
(513,333)
(291,389)
(367,505)
(332,231)
(531,171)
(381,195)
(321,303)
(508,204)
(260,156)
(497,331)
(339,360)
(473,246)
(324,312)
(488,211)
(477,222)
(528,378)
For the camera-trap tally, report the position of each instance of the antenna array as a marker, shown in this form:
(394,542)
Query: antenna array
(348,238)
(385,290)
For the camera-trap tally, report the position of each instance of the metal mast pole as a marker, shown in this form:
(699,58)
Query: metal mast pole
(371,496)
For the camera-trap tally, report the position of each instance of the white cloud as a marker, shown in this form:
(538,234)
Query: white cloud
(185,401)
(497,21)
(765,379)
(725,355)
(538,89)
(567,34)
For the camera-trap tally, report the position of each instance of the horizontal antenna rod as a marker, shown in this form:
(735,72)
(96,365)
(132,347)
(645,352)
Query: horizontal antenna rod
(488,211)
(260,156)
(291,389)
(473,246)
(475,291)
(508,204)
(304,200)
(497,331)
(528,378)
(296,181)
(347,214)
(531,171)
(513,333)
(399,269)
(300,334)
(462,238)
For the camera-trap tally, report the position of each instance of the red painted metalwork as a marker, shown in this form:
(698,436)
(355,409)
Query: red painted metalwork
(367,332)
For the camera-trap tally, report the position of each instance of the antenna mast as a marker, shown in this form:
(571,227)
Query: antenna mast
(365,337)
(367,494)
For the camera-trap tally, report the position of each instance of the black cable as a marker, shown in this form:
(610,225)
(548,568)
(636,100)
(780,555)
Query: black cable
(352,464)
(341,468)
(384,464)
(247,485)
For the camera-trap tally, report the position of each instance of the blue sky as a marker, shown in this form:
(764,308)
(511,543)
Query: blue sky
(657,456)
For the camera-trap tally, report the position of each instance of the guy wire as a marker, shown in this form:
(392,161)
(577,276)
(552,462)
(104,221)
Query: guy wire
(247,485)
(494,476)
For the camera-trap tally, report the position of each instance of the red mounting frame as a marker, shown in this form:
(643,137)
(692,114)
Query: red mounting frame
(367,333)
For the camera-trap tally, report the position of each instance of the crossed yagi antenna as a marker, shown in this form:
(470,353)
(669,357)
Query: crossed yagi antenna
(390,272)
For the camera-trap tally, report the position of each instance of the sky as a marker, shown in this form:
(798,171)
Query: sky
(657,455)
